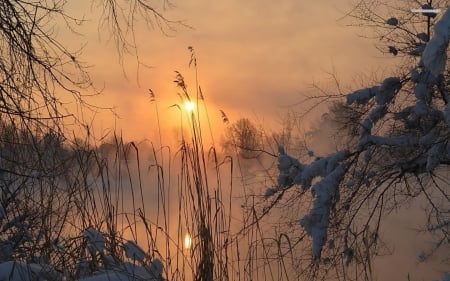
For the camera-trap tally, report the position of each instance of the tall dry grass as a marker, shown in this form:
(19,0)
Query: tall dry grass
(60,194)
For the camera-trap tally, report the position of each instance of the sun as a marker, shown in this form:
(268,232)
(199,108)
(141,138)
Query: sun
(187,241)
(189,106)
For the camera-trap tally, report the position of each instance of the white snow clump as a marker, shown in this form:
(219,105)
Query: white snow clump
(316,221)
(288,167)
(270,192)
(12,270)
(434,56)
(133,251)
(331,169)
(387,91)
(392,21)
(95,239)
(362,96)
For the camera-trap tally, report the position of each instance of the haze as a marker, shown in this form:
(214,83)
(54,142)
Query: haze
(254,59)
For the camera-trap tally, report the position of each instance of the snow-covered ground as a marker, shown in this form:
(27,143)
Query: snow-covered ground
(17,271)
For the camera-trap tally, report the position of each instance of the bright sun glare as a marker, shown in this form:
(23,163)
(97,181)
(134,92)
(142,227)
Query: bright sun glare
(189,106)
(187,241)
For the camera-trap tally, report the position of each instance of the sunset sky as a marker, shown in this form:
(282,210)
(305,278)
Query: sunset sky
(254,59)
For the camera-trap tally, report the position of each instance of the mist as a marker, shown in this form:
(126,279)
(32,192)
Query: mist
(234,140)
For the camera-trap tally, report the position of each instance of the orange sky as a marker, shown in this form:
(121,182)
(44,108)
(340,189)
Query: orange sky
(254,58)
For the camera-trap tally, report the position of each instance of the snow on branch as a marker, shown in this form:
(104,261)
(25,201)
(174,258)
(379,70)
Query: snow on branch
(362,96)
(316,221)
(383,94)
(366,127)
(96,241)
(400,141)
(321,167)
(434,56)
(331,169)
(416,140)
(387,91)
(288,166)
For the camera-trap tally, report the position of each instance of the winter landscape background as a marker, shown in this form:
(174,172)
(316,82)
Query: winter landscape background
(197,141)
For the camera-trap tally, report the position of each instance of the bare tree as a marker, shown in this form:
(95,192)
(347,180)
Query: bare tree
(398,27)
(244,136)
(42,167)
(37,68)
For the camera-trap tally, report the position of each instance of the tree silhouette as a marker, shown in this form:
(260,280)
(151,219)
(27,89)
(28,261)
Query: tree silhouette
(38,70)
(42,166)
(244,136)
(394,151)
